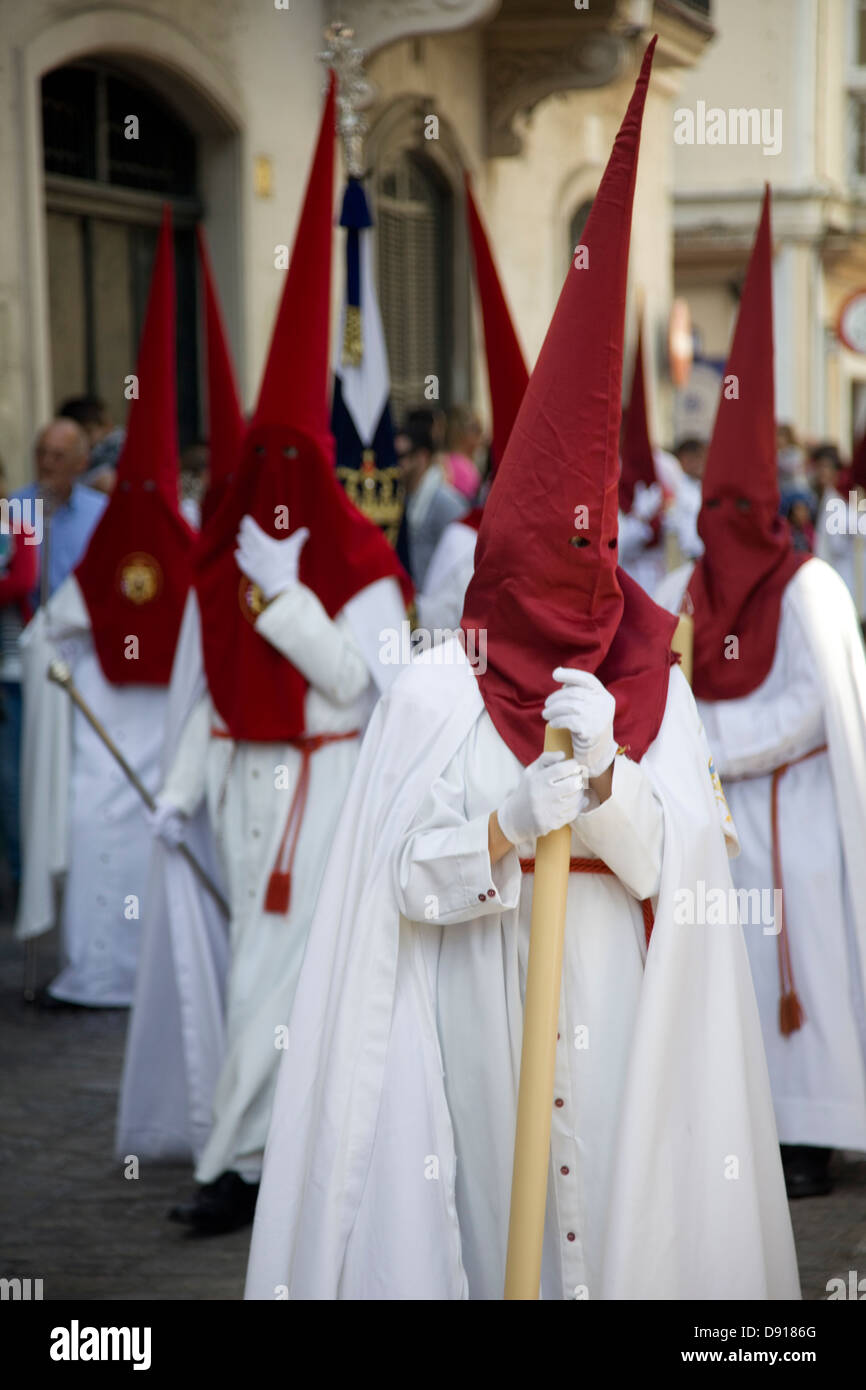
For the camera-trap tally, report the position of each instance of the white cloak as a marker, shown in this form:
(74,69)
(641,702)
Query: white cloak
(80,816)
(360,1195)
(814,694)
(218,1105)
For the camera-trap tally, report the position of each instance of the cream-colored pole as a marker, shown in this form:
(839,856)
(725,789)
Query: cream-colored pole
(683,641)
(59,672)
(538,1057)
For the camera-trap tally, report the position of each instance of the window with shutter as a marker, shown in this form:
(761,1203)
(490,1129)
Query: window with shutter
(104,196)
(416,275)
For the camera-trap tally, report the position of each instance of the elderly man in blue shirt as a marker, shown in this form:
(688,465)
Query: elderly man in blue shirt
(70,510)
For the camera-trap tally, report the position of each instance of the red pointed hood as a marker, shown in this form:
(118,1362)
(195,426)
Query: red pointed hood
(636,450)
(507,374)
(547,590)
(136,570)
(737,586)
(225,417)
(286,480)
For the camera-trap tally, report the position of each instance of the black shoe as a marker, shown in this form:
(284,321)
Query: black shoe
(806,1170)
(49,1003)
(228,1204)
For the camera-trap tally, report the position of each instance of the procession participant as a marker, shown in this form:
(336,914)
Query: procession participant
(450,569)
(115,620)
(780,678)
(388,1167)
(176,1037)
(294,588)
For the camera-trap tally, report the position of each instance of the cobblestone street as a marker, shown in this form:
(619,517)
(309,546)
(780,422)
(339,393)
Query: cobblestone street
(69,1216)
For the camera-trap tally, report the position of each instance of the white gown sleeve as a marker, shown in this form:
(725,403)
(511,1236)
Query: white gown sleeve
(185,782)
(443,866)
(627,830)
(323,649)
(758,733)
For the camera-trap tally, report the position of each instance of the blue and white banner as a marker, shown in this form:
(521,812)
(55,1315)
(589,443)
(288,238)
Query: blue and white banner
(360,413)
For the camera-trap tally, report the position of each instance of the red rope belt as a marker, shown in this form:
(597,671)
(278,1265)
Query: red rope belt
(279,891)
(598,866)
(791,1014)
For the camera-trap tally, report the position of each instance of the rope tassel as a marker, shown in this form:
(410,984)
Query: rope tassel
(792,1015)
(279,893)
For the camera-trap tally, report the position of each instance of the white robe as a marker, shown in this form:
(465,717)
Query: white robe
(814,694)
(248,788)
(388,1166)
(81,817)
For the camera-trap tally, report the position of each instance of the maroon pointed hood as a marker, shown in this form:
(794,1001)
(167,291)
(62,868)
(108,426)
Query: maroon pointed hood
(286,480)
(737,585)
(135,573)
(547,590)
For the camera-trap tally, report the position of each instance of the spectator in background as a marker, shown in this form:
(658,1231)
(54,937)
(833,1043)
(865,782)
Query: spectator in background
(790,461)
(105,439)
(70,510)
(797,507)
(825,470)
(18,570)
(430,502)
(463,440)
(837,539)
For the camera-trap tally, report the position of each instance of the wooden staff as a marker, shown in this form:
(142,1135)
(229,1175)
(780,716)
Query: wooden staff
(683,641)
(538,1056)
(60,673)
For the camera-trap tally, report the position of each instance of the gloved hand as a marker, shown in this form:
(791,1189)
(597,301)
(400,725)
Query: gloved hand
(550,794)
(586,709)
(167,822)
(270,563)
(646,501)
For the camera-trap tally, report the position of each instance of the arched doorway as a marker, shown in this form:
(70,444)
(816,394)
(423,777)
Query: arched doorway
(113,153)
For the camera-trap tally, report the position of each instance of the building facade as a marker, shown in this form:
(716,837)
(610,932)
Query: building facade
(109,110)
(801,66)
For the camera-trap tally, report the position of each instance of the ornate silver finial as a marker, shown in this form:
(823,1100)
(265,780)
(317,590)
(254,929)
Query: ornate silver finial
(354,92)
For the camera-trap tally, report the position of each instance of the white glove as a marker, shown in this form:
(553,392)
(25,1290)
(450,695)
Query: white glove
(167,822)
(586,709)
(646,501)
(270,563)
(550,794)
